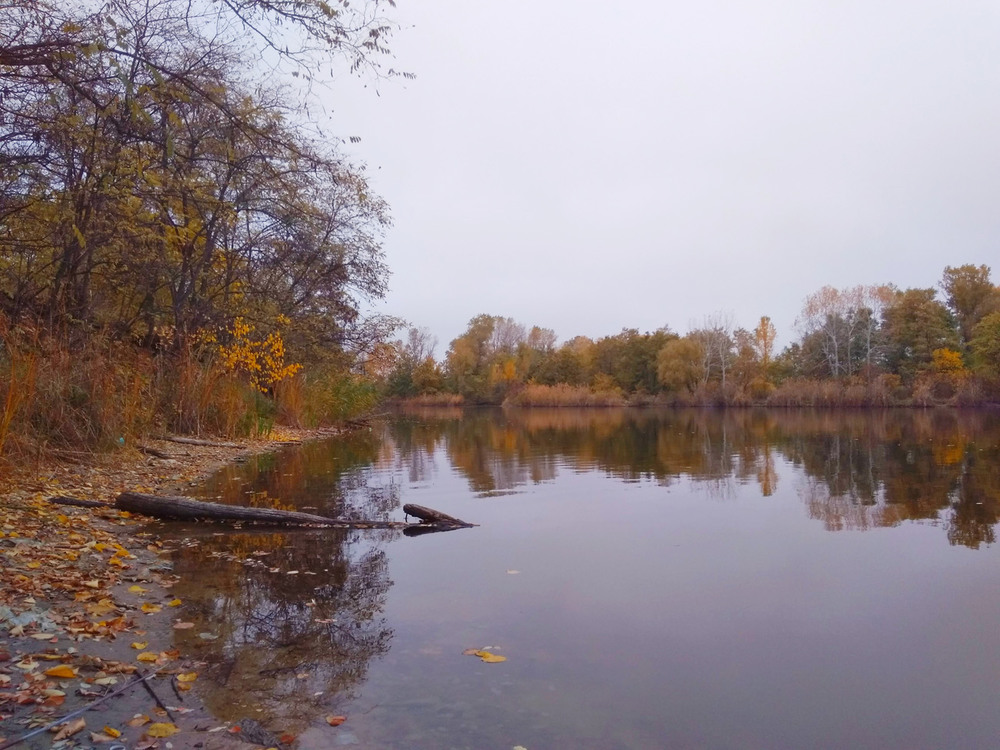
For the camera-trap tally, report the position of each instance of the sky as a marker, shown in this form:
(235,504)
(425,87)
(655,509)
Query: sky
(591,167)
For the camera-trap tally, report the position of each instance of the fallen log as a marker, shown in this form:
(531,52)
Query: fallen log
(197,441)
(429,515)
(150,451)
(179,508)
(78,502)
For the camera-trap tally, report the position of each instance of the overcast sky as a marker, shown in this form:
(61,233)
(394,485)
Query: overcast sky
(588,166)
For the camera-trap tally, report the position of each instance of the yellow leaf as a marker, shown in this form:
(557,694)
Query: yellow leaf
(116,562)
(63,670)
(137,589)
(174,603)
(34,565)
(489,658)
(112,732)
(162,729)
(187,677)
(139,645)
(147,656)
(150,608)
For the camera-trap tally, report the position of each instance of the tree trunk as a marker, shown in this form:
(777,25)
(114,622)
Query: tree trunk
(177,508)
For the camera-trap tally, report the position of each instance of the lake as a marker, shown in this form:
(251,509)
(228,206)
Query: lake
(674,579)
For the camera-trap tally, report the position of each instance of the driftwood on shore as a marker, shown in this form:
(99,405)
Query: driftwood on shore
(178,508)
(78,502)
(150,451)
(197,441)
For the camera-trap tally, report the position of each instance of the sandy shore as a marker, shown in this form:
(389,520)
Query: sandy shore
(86,608)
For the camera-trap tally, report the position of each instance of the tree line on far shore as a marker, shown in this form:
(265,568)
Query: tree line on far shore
(861,346)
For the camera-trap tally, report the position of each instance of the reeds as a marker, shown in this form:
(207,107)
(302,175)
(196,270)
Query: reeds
(563,395)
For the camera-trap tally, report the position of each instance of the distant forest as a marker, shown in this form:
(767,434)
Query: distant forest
(862,346)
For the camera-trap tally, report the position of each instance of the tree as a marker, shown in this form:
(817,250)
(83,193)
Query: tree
(985,347)
(843,326)
(763,341)
(915,325)
(680,364)
(148,187)
(970,295)
(414,370)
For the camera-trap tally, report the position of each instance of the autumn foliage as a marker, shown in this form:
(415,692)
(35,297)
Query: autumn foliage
(865,346)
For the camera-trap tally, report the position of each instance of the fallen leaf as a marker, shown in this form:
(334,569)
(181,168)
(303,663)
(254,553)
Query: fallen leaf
(150,608)
(111,731)
(183,625)
(139,645)
(335,721)
(43,636)
(174,603)
(137,589)
(187,677)
(99,739)
(470,652)
(92,584)
(69,729)
(138,720)
(489,658)
(162,729)
(513,572)
(63,670)
(147,656)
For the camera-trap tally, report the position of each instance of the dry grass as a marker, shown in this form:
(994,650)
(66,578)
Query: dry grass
(435,399)
(563,395)
(81,398)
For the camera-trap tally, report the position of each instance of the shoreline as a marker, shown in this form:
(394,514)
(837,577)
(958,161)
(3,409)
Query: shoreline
(83,592)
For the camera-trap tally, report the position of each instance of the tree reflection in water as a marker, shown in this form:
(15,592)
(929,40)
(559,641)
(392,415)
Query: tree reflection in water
(859,470)
(288,623)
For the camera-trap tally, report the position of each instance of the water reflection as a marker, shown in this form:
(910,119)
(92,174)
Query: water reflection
(859,469)
(287,624)
(293,626)
(283,622)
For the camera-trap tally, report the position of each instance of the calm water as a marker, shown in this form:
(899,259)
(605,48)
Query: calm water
(682,579)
